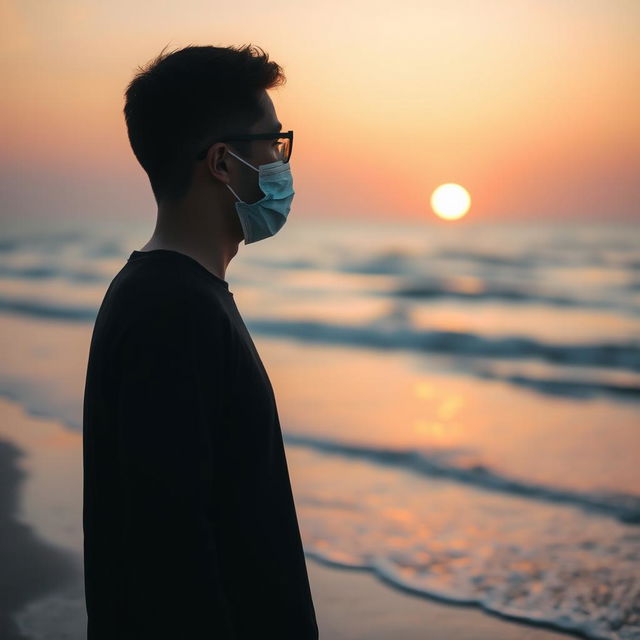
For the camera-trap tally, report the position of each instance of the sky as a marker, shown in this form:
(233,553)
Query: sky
(532,106)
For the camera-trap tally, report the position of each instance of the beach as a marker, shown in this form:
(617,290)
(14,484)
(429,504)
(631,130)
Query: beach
(460,426)
(42,562)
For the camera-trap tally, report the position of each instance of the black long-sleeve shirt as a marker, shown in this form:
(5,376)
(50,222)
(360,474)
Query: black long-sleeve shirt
(190,528)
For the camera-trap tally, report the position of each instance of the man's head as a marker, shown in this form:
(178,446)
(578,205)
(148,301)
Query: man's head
(185,101)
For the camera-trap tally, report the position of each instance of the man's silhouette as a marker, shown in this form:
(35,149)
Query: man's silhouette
(190,528)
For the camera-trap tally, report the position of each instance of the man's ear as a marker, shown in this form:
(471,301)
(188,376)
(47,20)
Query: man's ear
(216,162)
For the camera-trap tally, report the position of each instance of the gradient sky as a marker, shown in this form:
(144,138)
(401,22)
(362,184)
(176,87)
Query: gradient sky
(532,105)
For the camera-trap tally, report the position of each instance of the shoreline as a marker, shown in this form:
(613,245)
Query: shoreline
(357,604)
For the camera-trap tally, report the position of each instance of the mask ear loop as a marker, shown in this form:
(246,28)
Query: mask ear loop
(234,193)
(248,164)
(241,160)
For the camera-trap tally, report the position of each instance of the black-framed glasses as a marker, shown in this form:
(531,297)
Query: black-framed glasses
(283,142)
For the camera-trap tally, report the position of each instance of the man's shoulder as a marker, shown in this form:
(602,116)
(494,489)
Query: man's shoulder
(160,297)
(149,284)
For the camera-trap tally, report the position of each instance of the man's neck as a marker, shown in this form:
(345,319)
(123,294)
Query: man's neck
(192,227)
(214,259)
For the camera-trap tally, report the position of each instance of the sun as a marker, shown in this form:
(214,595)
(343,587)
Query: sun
(450,201)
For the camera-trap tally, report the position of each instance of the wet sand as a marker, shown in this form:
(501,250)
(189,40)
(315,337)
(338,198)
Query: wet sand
(30,566)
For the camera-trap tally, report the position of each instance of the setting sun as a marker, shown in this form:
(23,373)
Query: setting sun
(450,201)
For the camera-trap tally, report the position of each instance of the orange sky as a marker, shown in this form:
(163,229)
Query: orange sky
(531,105)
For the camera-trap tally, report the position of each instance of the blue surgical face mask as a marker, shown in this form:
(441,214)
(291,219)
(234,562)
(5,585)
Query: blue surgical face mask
(267,216)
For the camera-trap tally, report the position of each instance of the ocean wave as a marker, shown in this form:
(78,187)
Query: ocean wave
(386,333)
(571,388)
(552,560)
(390,261)
(49,271)
(622,506)
(47,243)
(45,240)
(622,355)
(518,585)
(483,289)
(523,261)
(48,310)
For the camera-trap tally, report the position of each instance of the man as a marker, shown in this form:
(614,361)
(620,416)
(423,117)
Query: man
(190,528)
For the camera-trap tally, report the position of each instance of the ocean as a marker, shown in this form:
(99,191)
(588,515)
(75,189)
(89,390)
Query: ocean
(459,403)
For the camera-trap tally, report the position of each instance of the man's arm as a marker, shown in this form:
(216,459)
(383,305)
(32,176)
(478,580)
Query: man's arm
(167,413)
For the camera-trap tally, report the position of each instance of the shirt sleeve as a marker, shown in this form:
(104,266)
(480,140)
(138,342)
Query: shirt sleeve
(170,405)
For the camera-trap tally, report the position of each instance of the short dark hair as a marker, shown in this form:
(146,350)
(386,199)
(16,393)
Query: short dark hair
(181,100)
